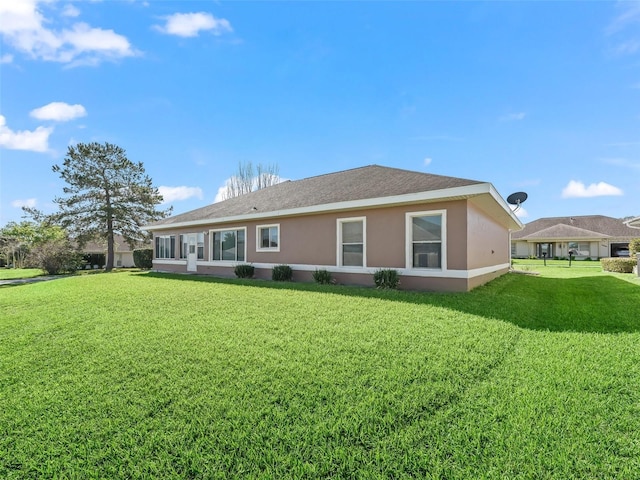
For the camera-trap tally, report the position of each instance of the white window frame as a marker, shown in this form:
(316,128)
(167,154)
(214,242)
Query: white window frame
(259,247)
(339,243)
(227,262)
(409,216)
(165,238)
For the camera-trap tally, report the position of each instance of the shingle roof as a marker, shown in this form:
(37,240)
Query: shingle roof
(589,226)
(372,181)
(100,246)
(634,222)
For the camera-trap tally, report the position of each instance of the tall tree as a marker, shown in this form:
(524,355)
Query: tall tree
(106,193)
(247,179)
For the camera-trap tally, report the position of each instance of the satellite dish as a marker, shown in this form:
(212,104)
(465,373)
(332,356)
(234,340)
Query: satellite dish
(517,199)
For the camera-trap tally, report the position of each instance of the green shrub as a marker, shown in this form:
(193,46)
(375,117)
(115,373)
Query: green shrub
(386,278)
(244,270)
(618,264)
(282,273)
(634,247)
(143,257)
(323,277)
(56,256)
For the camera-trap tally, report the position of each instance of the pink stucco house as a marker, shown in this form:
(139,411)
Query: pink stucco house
(441,233)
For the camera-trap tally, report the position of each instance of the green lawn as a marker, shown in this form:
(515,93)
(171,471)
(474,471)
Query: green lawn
(13,273)
(142,375)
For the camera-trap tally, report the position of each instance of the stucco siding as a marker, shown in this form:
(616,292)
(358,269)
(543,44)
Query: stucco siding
(486,242)
(473,241)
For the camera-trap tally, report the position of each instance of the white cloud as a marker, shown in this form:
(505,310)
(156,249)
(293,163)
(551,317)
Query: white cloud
(627,48)
(223,191)
(623,162)
(512,117)
(6,58)
(520,213)
(427,161)
(191,24)
(29,202)
(222,194)
(630,14)
(22,26)
(59,111)
(171,194)
(622,29)
(35,141)
(576,189)
(70,10)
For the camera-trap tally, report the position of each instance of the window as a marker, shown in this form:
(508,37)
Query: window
(228,245)
(198,247)
(579,249)
(268,238)
(351,242)
(425,240)
(166,246)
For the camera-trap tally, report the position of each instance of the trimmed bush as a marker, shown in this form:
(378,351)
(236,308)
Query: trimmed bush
(244,270)
(282,273)
(386,278)
(634,247)
(143,258)
(323,277)
(618,264)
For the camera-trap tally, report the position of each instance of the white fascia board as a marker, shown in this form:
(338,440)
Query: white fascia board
(409,198)
(498,198)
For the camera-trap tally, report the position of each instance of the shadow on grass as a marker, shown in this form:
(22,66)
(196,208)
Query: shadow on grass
(594,304)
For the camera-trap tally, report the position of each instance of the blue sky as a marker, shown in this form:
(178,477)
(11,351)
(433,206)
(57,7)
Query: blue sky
(542,96)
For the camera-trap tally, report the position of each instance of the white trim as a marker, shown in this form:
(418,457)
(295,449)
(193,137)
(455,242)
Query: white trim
(339,222)
(409,239)
(233,229)
(456,193)
(168,261)
(425,273)
(259,238)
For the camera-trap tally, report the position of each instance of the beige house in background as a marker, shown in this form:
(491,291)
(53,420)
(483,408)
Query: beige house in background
(441,233)
(123,253)
(590,236)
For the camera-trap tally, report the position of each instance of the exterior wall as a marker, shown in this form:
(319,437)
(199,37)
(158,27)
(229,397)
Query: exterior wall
(477,248)
(125,259)
(482,279)
(486,241)
(523,249)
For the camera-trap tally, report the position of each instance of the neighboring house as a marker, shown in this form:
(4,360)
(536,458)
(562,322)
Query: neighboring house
(591,236)
(95,253)
(440,233)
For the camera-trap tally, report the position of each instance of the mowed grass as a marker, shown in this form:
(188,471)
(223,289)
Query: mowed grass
(135,375)
(13,273)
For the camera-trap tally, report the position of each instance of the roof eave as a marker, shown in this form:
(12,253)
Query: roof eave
(456,193)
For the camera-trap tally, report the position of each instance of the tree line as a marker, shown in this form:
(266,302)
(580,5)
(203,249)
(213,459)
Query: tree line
(105,194)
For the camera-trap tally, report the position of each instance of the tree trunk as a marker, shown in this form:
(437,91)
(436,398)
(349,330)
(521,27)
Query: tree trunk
(109,266)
